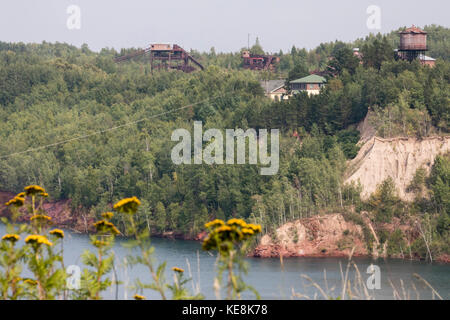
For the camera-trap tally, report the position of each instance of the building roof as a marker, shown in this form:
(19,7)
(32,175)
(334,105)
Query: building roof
(413,29)
(313,78)
(271,85)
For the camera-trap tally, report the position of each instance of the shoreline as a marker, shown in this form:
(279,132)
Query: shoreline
(444,259)
(318,236)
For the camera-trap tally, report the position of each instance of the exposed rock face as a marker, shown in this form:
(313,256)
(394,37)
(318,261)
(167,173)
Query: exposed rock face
(328,235)
(331,236)
(366,129)
(398,158)
(60,211)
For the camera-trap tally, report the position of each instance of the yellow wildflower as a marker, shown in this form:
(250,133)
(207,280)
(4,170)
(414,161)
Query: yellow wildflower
(214,223)
(34,189)
(36,239)
(224,237)
(11,237)
(237,222)
(139,297)
(127,205)
(239,233)
(21,195)
(107,215)
(222,229)
(225,233)
(16,201)
(106,226)
(57,232)
(41,217)
(44,194)
(255,227)
(179,270)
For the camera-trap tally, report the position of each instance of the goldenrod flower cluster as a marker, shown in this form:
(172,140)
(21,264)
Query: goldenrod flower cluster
(34,189)
(11,237)
(107,215)
(176,269)
(104,226)
(57,233)
(128,205)
(234,231)
(214,223)
(19,199)
(36,239)
(16,201)
(236,222)
(41,217)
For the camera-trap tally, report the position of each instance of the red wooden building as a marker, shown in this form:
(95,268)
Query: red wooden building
(259,61)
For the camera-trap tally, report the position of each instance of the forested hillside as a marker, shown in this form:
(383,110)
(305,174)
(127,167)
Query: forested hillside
(51,93)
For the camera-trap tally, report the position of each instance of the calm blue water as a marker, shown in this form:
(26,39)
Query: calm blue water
(266,275)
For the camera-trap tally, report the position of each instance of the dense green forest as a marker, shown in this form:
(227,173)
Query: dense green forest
(56,92)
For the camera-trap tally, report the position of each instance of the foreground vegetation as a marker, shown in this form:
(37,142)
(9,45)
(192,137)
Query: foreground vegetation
(42,254)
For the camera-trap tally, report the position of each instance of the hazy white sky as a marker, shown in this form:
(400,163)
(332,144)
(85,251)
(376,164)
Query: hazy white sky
(202,24)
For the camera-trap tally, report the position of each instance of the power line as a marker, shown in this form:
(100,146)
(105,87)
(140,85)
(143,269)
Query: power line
(109,129)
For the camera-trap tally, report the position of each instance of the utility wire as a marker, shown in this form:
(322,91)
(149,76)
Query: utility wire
(109,129)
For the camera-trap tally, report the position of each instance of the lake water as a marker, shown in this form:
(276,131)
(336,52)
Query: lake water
(267,276)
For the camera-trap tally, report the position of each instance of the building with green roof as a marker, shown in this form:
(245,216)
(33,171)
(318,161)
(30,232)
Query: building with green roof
(311,84)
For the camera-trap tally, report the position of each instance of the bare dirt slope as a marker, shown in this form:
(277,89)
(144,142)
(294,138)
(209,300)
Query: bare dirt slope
(60,211)
(398,158)
(328,235)
(334,235)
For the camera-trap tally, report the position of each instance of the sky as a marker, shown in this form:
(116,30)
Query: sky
(202,24)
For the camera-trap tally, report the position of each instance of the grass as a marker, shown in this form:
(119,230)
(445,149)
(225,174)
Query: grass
(356,288)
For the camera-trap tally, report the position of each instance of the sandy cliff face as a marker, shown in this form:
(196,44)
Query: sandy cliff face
(328,235)
(398,158)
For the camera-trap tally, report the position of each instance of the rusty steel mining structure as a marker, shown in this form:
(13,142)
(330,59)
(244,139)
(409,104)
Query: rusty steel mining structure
(259,61)
(413,44)
(165,56)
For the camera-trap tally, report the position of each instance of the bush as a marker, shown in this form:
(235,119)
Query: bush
(384,202)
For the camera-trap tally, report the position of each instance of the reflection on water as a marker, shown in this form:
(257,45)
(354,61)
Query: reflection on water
(267,276)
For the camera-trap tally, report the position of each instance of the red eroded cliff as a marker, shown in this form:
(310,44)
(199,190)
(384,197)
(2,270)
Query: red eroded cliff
(61,213)
(320,236)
